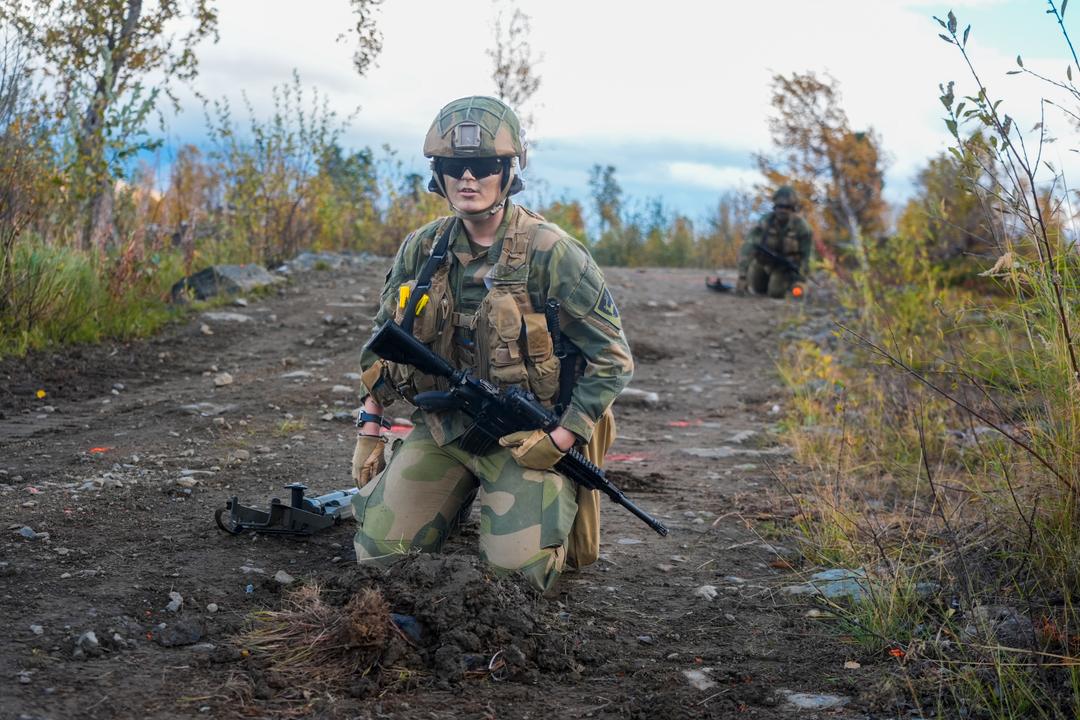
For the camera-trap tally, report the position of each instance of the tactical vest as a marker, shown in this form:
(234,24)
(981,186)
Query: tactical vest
(783,241)
(506,341)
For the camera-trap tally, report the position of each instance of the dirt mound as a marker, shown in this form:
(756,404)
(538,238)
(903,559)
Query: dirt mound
(428,620)
(633,482)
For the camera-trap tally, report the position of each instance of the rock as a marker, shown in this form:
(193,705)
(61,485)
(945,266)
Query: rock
(249,570)
(182,632)
(741,436)
(223,379)
(206,409)
(1001,624)
(240,455)
(175,602)
(852,665)
(342,390)
(699,679)
(27,532)
(629,541)
(186,482)
(808,701)
(835,584)
(24,677)
(205,329)
(230,317)
(297,375)
(410,626)
(221,280)
(88,644)
(708,592)
(352,376)
(37,629)
(284,578)
(327,417)
(632,396)
(646,640)
(240,302)
(212,608)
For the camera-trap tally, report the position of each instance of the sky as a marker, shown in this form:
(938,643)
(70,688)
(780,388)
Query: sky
(675,95)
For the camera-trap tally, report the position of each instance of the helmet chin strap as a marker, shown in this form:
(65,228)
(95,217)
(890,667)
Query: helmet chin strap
(498,205)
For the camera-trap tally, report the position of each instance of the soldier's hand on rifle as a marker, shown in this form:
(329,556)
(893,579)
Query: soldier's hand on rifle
(741,287)
(536,449)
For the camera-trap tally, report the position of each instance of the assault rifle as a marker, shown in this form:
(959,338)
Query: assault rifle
(780,260)
(495,412)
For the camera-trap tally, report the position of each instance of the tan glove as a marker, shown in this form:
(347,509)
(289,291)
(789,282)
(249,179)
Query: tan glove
(533,449)
(741,287)
(367,459)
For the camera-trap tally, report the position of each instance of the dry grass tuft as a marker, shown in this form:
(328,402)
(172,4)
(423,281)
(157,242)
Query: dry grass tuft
(311,646)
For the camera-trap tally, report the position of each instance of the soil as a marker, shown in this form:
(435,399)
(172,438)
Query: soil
(122,468)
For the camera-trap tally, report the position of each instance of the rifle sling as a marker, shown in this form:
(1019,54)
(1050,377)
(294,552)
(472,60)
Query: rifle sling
(423,280)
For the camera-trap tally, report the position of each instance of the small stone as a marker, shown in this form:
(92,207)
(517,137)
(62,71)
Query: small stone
(37,629)
(852,665)
(699,678)
(118,387)
(645,639)
(730,618)
(250,570)
(628,541)
(27,532)
(297,375)
(283,577)
(212,608)
(708,592)
(240,455)
(240,302)
(175,601)
(808,701)
(88,643)
(342,390)
(205,329)
(327,417)
(223,379)
(24,677)
(665,567)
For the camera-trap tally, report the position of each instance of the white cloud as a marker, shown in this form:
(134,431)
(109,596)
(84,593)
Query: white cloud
(681,72)
(713,176)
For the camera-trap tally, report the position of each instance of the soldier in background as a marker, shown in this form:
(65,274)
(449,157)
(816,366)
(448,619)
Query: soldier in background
(484,311)
(786,235)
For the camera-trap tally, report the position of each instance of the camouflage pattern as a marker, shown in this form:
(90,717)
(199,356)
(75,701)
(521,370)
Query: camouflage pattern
(526,515)
(793,239)
(416,503)
(559,267)
(500,130)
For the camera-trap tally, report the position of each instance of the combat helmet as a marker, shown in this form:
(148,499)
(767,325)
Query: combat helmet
(477,126)
(786,195)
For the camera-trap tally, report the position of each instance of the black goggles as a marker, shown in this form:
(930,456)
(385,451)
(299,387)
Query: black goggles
(480,167)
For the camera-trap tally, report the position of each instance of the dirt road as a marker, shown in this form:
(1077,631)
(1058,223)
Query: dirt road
(110,481)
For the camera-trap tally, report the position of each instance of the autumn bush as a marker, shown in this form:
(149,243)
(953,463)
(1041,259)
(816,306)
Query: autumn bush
(942,430)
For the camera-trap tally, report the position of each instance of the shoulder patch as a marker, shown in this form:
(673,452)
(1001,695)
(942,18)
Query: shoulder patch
(605,308)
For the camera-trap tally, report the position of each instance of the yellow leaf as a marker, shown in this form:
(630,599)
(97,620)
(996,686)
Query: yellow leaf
(40,394)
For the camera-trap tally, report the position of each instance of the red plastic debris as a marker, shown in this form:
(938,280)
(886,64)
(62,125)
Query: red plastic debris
(99,450)
(683,423)
(627,457)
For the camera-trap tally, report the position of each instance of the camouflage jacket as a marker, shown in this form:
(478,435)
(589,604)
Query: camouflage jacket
(559,267)
(793,240)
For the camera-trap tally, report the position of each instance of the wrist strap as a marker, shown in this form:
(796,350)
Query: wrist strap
(366,417)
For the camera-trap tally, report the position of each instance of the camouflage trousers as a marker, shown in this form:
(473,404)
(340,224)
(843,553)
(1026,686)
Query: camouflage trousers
(767,280)
(416,502)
